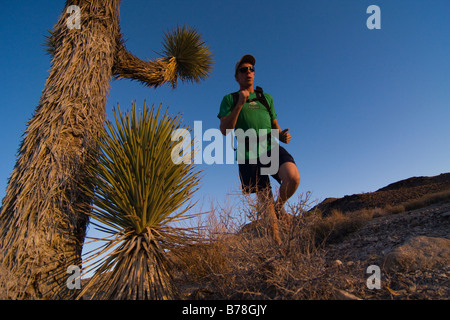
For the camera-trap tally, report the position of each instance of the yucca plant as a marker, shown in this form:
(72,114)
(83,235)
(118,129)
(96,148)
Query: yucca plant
(42,216)
(139,194)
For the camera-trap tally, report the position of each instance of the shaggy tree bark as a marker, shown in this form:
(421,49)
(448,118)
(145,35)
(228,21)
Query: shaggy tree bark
(42,220)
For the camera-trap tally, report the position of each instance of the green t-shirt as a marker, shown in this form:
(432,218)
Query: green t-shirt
(254,115)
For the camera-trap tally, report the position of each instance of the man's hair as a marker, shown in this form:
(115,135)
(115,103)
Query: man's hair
(248,58)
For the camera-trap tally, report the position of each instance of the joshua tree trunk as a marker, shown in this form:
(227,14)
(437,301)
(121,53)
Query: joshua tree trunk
(42,220)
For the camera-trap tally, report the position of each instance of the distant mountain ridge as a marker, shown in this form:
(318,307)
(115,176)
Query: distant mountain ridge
(391,195)
(440,180)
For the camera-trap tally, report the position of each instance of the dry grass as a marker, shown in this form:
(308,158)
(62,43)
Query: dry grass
(335,227)
(239,260)
(422,202)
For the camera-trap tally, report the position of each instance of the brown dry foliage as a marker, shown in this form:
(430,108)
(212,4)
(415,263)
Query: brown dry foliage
(239,260)
(247,264)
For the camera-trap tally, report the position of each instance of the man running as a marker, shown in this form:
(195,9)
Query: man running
(247,110)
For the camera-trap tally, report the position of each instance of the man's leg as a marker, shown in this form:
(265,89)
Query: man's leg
(253,182)
(266,201)
(290,180)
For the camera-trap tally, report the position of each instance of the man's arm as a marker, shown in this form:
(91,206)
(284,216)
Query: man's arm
(284,135)
(229,121)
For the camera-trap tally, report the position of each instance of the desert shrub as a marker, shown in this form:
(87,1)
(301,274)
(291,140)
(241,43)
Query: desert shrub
(427,200)
(336,226)
(415,204)
(247,264)
(389,209)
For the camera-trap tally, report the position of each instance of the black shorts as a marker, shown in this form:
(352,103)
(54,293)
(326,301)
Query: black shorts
(251,177)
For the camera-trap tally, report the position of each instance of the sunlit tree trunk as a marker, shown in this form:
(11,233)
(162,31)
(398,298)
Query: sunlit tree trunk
(42,219)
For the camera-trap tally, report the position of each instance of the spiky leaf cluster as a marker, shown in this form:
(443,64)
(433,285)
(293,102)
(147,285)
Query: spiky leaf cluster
(194,60)
(139,193)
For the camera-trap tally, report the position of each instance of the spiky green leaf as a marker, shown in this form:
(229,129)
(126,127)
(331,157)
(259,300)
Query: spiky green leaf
(194,60)
(139,193)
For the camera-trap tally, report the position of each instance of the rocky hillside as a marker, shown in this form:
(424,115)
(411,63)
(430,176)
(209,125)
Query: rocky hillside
(411,248)
(392,195)
(411,244)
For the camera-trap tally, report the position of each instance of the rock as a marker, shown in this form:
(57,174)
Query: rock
(419,253)
(337,263)
(344,295)
(200,294)
(446,214)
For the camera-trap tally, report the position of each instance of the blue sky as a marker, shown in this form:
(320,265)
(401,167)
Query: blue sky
(365,108)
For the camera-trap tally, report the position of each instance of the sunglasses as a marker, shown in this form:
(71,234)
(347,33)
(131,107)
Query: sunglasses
(245,69)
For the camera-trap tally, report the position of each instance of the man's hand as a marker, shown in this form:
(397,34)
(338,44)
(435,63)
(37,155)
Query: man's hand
(229,121)
(285,136)
(243,96)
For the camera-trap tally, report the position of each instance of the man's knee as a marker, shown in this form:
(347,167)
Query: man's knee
(289,173)
(295,178)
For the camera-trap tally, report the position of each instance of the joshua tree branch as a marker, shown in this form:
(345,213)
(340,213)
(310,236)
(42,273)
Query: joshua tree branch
(151,73)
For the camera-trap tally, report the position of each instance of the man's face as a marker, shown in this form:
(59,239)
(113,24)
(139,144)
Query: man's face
(245,78)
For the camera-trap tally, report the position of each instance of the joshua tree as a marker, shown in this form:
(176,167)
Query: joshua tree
(42,219)
(139,193)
